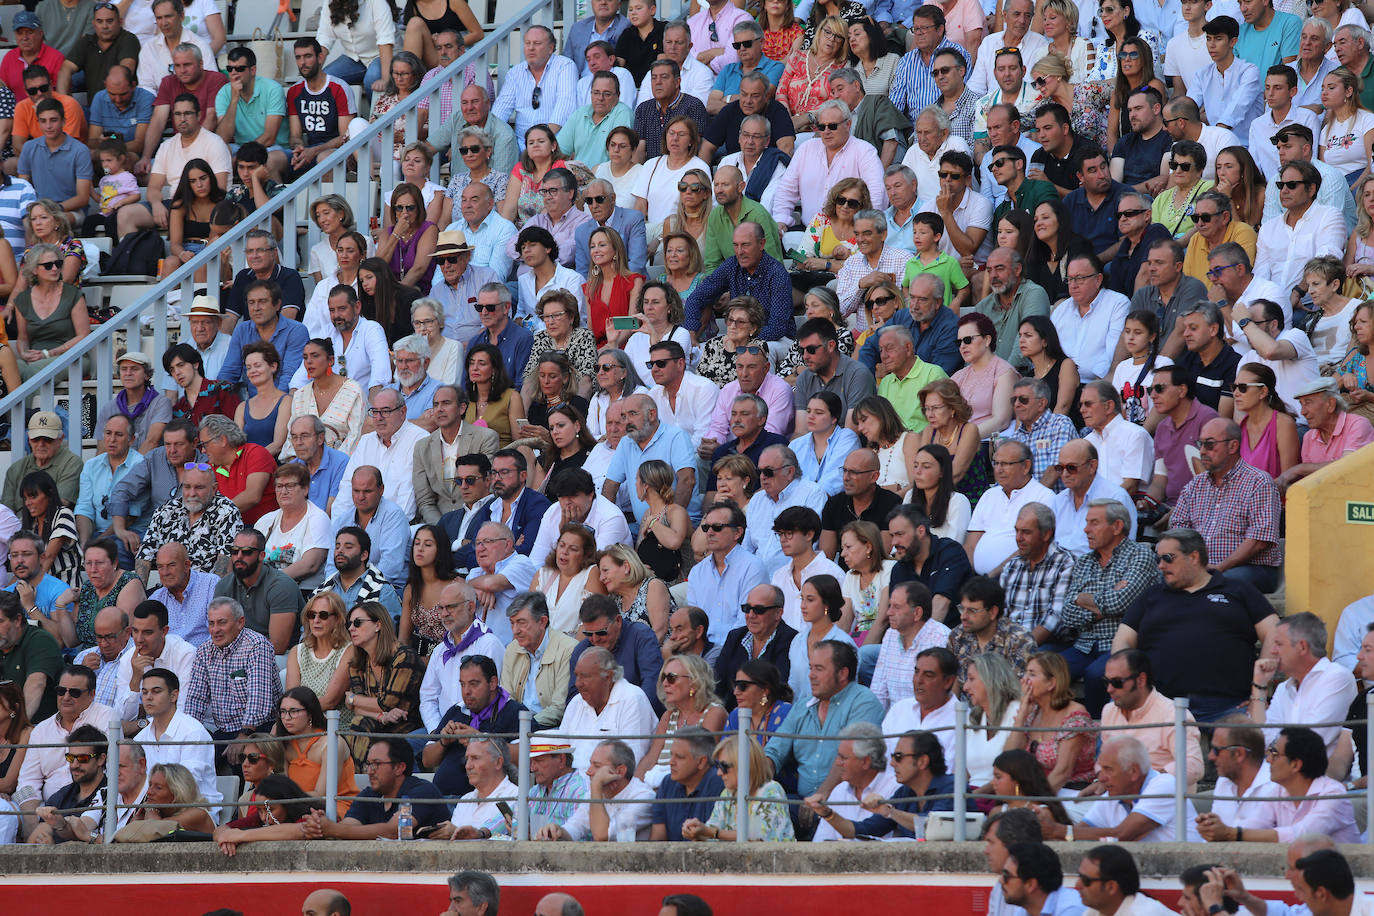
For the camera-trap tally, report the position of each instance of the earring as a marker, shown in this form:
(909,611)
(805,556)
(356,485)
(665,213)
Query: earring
(692,692)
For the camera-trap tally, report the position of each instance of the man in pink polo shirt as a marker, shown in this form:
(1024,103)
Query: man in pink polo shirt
(1332,433)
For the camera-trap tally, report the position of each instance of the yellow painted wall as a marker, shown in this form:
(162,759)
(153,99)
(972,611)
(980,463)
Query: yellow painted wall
(1330,560)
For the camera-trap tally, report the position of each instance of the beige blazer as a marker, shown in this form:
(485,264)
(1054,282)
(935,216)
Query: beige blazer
(555,669)
(434,495)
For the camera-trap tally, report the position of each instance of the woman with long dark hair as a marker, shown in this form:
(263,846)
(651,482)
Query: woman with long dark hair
(408,244)
(1058,245)
(759,687)
(881,429)
(43,513)
(569,443)
(337,401)
(188,214)
(383,678)
(492,399)
(932,491)
(1239,178)
(822,607)
(301,716)
(385,299)
(1269,437)
(1136,69)
(1119,19)
(1016,773)
(1045,359)
(430,571)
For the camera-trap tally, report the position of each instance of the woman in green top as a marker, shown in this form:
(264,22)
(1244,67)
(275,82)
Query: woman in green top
(50,315)
(768,819)
(1173,208)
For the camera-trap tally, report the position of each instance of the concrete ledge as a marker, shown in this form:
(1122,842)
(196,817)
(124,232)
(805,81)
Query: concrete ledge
(1156,860)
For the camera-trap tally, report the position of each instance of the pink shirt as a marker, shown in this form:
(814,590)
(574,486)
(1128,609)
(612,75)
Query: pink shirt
(1351,432)
(809,178)
(725,20)
(1315,814)
(776,393)
(966,16)
(1158,710)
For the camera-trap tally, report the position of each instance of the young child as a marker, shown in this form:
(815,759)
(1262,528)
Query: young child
(926,232)
(117,188)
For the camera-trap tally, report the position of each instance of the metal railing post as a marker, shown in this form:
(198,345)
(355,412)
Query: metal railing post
(1369,783)
(331,764)
(115,731)
(742,792)
(960,768)
(1181,769)
(522,810)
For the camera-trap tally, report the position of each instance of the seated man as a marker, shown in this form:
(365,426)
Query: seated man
(862,756)
(910,632)
(1333,432)
(764,636)
(252,108)
(48,451)
(931,706)
(541,68)
(1078,470)
(1238,751)
(44,771)
(102,473)
(1169,291)
(721,582)
(877,121)
(755,99)
(159,691)
(185,591)
(1038,427)
(271,600)
(39,86)
(687,628)
(389,448)
(31,48)
(1207,356)
(600,199)
(605,702)
(1123,768)
(1125,451)
(984,626)
(781,487)
(938,563)
(991,539)
(555,781)
(1137,156)
(648,439)
(919,770)
(243,469)
(355,578)
(1036,578)
(748,36)
(1178,458)
(1090,320)
(484,707)
(610,775)
(73,811)
(1314,687)
(602,109)
(191,141)
(155,646)
(691,775)
(465,638)
(537,661)
(47,601)
(633,643)
(1135,702)
(57,164)
(264,263)
(499,574)
(234,686)
(391,774)
(384,523)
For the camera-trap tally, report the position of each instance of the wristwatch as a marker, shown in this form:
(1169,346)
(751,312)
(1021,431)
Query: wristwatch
(1216,908)
(1242,323)
(141,722)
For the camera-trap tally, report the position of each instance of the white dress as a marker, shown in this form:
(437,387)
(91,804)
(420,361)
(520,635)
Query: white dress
(444,365)
(956,519)
(562,608)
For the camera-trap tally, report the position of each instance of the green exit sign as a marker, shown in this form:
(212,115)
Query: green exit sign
(1359,513)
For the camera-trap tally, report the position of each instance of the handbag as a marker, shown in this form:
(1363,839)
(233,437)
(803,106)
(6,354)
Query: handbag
(268,48)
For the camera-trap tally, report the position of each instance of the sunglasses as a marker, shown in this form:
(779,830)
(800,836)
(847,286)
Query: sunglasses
(1209,444)
(724,766)
(744,685)
(741,45)
(242,551)
(1021,399)
(965,341)
(355,622)
(38,90)
(672,677)
(881,300)
(1244,387)
(695,187)
(196,465)
(1289,185)
(318,615)
(714,528)
(50,265)
(469,481)
(602,634)
(1116,683)
(80,758)
(233,69)
(756,609)
(538,94)
(950,176)
(486,306)
(449,259)
(470,150)
(941,71)
(1039,82)
(998,163)
(607,367)
(750,350)
(1181,166)
(404,208)
(1165,558)
(1128,55)
(849,202)
(597,199)
(898,756)
(813,349)
(1205,217)
(1129,214)
(1069,468)
(715,35)
(254,758)
(659,363)
(75,693)
(768,472)
(1217,271)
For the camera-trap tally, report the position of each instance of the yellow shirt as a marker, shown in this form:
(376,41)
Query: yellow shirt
(1195,260)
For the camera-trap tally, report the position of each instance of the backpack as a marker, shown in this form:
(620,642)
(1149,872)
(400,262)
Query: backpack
(136,254)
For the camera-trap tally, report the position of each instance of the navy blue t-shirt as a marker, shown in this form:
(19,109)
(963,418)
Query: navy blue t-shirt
(365,811)
(674,815)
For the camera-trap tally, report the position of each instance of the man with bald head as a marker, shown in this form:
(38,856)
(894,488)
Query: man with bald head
(385,522)
(1012,300)
(1078,470)
(860,500)
(185,591)
(326,902)
(488,234)
(732,208)
(558,905)
(647,439)
(390,448)
(111,627)
(600,200)
(100,474)
(1235,507)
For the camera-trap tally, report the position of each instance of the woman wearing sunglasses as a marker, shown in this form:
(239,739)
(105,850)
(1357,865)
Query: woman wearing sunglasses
(1173,208)
(262,757)
(616,379)
(1119,19)
(758,686)
(744,319)
(830,238)
(1136,69)
(320,660)
(694,200)
(50,314)
(687,690)
(408,244)
(301,718)
(1268,432)
(805,81)
(767,808)
(986,380)
(1086,102)
(383,678)
(476,147)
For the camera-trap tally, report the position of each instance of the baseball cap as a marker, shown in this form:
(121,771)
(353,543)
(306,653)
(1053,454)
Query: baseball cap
(45,425)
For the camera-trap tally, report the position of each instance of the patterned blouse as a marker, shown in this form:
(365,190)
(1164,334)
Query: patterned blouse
(801,90)
(1047,752)
(768,820)
(1103,67)
(639,608)
(819,244)
(205,543)
(581,351)
(778,45)
(317,672)
(497,181)
(88,604)
(67,565)
(851,12)
(401,690)
(215,397)
(717,363)
(1356,364)
(342,419)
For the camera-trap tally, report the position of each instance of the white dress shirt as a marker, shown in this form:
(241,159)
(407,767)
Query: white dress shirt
(696,401)
(1160,810)
(628,823)
(1243,813)
(1281,250)
(366,359)
(563,278)
(1324,696)
(995,516)
(845,800)
(1232,98)
(1090,339)
(604,518)
(439,691)
(905,716)
(1123,450)
(176,656)
(396,462)
(927,167)
(316,317)
(1317,813)
(198,758)
(627,712)
(473,810)
(1033,46)
(1214,140)
(45,768)
(820,565)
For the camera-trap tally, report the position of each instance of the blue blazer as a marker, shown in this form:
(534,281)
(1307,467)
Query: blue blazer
(630,225)
(524,524)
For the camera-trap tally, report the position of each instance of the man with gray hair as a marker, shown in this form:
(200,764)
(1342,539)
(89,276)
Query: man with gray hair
(1036,425)
(667,102)
(1316,689)
(558,904)
(1036,578)
(1126,451)
(816,167)
(1333,431)
(600,200)
(390,448)
(474,110)
(326,465)
(411,355)
(496,312)
(862,761)
(932,328)
(934,137)
(904,373)
(876,119)
(610,775)
(263,263)
(464,636)
(234,687)
(1013,299)
(780,487)
(605,703)
(874,262)
(201,518)
(1138,232)
(1351,44)
(537,661)
(499,575)
(474,893)
(1207,357)
(748,42)
(1123,768)
(900,184)
(761,161)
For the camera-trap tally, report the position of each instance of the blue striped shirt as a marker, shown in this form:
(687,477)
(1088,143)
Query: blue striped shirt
(913,86)
(557,96)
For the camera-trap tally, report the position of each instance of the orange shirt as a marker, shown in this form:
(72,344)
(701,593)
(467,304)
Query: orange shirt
(26,119)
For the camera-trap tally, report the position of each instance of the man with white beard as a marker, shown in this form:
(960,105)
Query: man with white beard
(411,355)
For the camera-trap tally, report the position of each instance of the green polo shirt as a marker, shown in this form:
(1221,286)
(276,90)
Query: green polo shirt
(1030,195)
(250,119)
(1367,92)
(585,139)
(720,233)
(36,652)
(904,393)
(944,267)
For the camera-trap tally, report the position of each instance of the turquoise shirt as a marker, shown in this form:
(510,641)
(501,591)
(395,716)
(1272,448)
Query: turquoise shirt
(813,759)
(727,83)
(582,138)
(250,119)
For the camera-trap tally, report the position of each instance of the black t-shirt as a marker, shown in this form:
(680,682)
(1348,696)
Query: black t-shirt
(723,131)
(450,776)
(1200,643)
(945,570)
(839,511)
(365,810)
(287,280)
(1214,379)
(1062,172)
(1141,158)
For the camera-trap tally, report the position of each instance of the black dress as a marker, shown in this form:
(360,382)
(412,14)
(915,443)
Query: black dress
(538,414)
(664,563)
(1052,380)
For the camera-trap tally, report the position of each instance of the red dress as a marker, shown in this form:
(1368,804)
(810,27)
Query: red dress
(618,306)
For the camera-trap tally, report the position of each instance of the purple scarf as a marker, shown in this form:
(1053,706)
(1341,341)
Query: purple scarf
(492,711)
(474,633)
(122,402)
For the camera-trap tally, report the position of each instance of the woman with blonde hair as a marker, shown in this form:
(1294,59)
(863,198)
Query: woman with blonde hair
(830,238)
(569,574)
(170,787)
(683,265)
(49,314)
(1346,141)
(694,202)
(665,526)
(768,817)
(1057,20)
(612,289)
(881,301)
(805,82)
(819,302)
(687,690)
(642,596)
(262,757)
(1086,102)
(1047,709)
(320,660)
(865,583)
(49,224)
(1359,250)
(948,424)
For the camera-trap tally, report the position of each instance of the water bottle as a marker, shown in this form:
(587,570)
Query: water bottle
(405,823)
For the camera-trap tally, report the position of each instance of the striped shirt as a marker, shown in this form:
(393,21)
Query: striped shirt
(896,667)
(557,89)
(913,85)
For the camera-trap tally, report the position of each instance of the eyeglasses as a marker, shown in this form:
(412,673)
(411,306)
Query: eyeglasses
(377,413)
(230,68)
(1130,214)
(1009,464)
(1218,748)
(1165,558)
(659,363)
(547,191)
(536,96)
(1181,166)
(243,551)
(197,465)
(756,609)
(1217,271)
(1205,217)
(849,202)
(741,45)
(695,187)
(1289,185)
(941,71)
(881,300)
(50,265)
(402,208)
(1128,55)
(607,367)
(1273,751)
(724,766)
(1083,279)
(670,677)
(1089,881)
(318,615)
(75,693)
(965,341)
(711,529)
(470,150)
(106,637)
(1070,468)
(1008,876)
(38,90)
(1209,444)
(355,622)
(743,685)
(80,758)
(1116,683)
(374,764)
(602,634)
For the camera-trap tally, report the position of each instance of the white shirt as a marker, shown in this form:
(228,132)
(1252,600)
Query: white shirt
(1258,289)
(1033,46)
(439,691)
(176,656)
(973,212)
(927,167)
(606,521)
(1069,520)
(628,90)
(287,546)
(981,748)
(1214,140)
(697,79)
(1291,375)
(473,810)
(1342,142)
(1317,813)
(1245,812)
(845,800)
(1325,696)
(1124,450)
(628,823)
(1232,98)
(627,712)
(563,278)
(1090,339)
(1282,250)
(657,185)
(637,348)
(397,464)
(366,359)
(905,716)
(1160,810)
(316,317)
(1263,128)
(696,401)
(820,565)
(198,758)
(1137,905)
(45,768)
(1185,55)
(1331,334)
(155,59)
(995,516)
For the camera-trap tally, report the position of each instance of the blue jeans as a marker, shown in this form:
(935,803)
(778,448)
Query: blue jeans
(868,660)
(1092,667)
(1264,578)
(354,73)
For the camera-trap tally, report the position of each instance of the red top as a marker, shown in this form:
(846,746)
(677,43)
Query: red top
(618,306)
(252,458)
(205,93)
(13,64)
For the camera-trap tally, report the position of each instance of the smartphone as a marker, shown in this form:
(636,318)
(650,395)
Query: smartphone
(521,423)
(424,832)
(505,810)
(626,323)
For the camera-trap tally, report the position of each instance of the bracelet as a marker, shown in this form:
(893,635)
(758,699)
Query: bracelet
(1259,686)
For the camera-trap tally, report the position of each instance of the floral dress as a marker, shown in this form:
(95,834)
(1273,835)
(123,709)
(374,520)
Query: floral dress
(802,90)
(639,608)
(792,363)
(821,239)
(1091,101)
(497,181)
(1103,67)
(88,604)
(850,11)
(1047,752)
(380,106)
(1174,211)
(768,820)
(865,600)
(717,363)
(531,199)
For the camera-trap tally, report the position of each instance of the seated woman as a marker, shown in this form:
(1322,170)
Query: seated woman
(337,401)
(616,379)
(426,20)
(476,147)
(430,571)
(334,218)
(320,660)
(821,450)
(262,757)
(881,301)
(573,346)
(655,195)
(404,78)
(266,416)
(1037,340)
(819,302)
(524,192)
(138,402)
(620,168)
(986,380)
(694,201)
(1239,178)
(830,236)
(1269,437)
(49,314)
(1354,369)
(1016,773)
(805,82)
(687,690)
(744,318)
(665,526)
(200,396)
(302,718)
(349,252)
(660,319)
(274,820)
(1173,208)
(932,491)
(408,243)
(949,424)
(612,289)
(994,698)
(1048,707)
(881,429)
(493,401)
(641,596)
(567,442)
(383,678)
(384,299)
(104,585)
(569,575)
(14,731)
(539,252)
(822,607)
(188,214)
(417,159)
(683,268)
(48,224)
(865,583)
(299,534)
(768,819)
(171,786)
(41,511)
(445,353)
(759,687)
